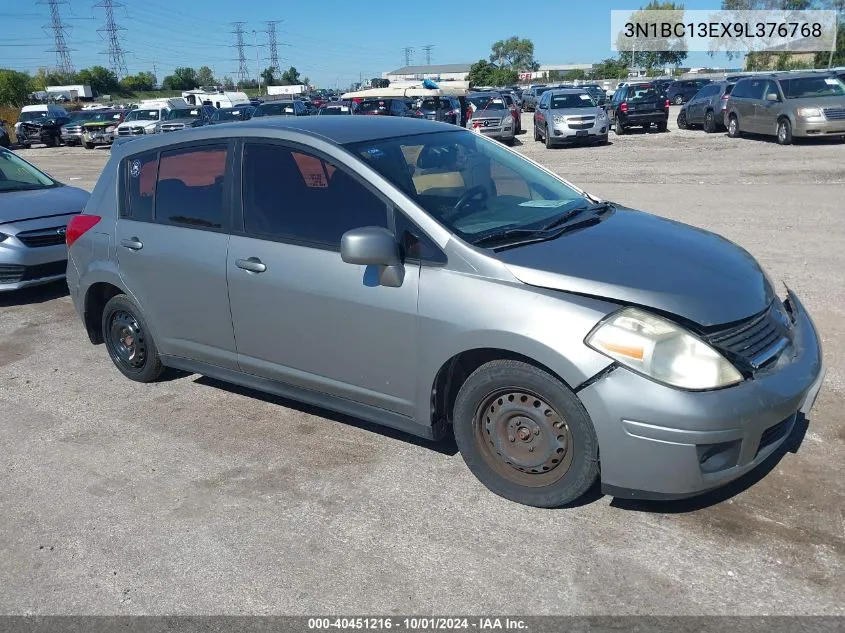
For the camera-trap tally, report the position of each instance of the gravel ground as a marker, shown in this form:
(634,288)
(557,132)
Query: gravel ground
(191,496)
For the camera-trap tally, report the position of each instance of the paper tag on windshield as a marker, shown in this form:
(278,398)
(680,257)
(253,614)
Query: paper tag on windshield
(585,97)
(831,81)
(543,203)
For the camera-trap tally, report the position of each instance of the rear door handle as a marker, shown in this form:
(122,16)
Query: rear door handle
(251,264)
(133,244)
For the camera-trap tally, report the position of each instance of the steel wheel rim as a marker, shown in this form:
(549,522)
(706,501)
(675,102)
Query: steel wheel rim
(523,438)
(782,132)
(127,340)
(708,119)
(732,125)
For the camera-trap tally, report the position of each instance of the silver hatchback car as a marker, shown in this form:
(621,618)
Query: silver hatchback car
(569,115)
(429,279)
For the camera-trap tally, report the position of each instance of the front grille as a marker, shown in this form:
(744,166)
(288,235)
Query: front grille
(75,129)
(486,122)
(43,237)
(13,273)
(756,341)
(775,433)
(580,125)
(130,131)
(834,114)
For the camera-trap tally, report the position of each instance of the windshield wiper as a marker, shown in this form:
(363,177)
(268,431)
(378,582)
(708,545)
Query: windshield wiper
(598,207)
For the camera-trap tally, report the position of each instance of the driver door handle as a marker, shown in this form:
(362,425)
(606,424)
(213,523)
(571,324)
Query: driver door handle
(251,264)
(133,244)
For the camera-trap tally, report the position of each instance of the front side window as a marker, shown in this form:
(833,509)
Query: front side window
(469,184)
(291,194)
(189,191)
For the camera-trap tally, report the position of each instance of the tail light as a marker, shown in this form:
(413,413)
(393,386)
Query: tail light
(476,124)
(78,225)
(623,107)
(469,112)
(419,113)
(666,104)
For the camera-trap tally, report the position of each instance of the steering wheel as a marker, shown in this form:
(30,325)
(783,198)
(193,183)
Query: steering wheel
(477,191)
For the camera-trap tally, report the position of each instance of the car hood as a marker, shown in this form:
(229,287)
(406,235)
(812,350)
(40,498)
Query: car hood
(41,203)
(638,258)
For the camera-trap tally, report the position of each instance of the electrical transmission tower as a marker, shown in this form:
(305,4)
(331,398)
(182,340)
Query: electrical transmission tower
(427,48)
(243,71)
(409,51)
(63,63)
(117,61)
(271,42)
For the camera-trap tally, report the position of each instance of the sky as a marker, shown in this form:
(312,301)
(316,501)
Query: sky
(332,42)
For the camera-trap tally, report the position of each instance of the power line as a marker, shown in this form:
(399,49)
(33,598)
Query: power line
(409,51)
(273,44)
(63,63)
(427,48)
(243,71)
(117,60)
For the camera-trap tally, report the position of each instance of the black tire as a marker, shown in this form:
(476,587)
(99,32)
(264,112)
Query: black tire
(602,140)
(678,100)
(129,342)
(89,145)
(618,127)
(50,141)
(565,465)
(709,122)
(510,142)
(662,127)
(548,137)
(536,132)
(733,127)
(784,131)
(682,120)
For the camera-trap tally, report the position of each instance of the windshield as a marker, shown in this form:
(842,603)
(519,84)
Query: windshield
(183,113)
(374,105)
(468,183)
(274,109)
(487,103)
(334,110)
(142,115)
(18,175)
(104,116)
(81,116)
(575,100)
(812,87)
(39,115)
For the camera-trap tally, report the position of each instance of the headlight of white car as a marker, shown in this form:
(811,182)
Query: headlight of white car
(809,112)
(111,128)
(662,350)
(559,118)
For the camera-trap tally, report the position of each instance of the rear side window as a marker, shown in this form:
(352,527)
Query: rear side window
(729,88)
(189,191)
(291,194)
(740,89)
(141,184)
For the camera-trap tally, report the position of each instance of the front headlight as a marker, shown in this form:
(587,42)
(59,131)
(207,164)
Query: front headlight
(558,118)
(110,128)
(808,112)
(662,350)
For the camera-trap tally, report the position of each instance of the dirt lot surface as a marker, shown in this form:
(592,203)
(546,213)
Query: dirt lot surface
(191,496)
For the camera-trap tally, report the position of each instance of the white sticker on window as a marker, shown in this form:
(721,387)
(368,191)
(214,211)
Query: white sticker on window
(831,81)
(135,168)
(545,204)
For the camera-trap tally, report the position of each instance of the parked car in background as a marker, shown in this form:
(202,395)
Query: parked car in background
(180,119)
(334,109)
(434,282)
(41,124)
(707,107)
(491,117)
(388,106)
(662,84)
(596,92)
(280,107)
(637,105)
(34,212)
(443,108)
(101,128)
(241,112)
(787,105)
(530,97)
(72,130)
(679,92)
(569,115)
(516,111)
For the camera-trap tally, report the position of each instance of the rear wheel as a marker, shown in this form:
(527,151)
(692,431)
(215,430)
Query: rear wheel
(536,131)
(662,127)
(678,100)
(525,435)
(709,122)
(784,133)
(618,128)
(129,342)
(733,127)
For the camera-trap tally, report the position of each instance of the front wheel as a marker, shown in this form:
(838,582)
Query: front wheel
(525,435)
(784,133)
(709,122)
(536,132)
(733,127)
(129,342)
(548,135)
(89,145)
(682,120)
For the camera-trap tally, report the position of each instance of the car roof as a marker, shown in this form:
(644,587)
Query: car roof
(339,131)
(567,91)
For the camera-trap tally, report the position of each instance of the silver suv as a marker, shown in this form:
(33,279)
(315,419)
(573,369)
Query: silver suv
(787,105)
(569,115)
(424,277)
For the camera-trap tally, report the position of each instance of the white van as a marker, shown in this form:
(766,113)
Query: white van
(148,116)
(214,97)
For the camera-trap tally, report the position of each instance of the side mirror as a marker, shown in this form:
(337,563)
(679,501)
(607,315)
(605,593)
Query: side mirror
(771,96)
(374,246)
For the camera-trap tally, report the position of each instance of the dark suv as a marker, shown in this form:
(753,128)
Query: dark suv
(446,109)
(679,92)
(281,107)
(638,104)
(707,107)
(385,107)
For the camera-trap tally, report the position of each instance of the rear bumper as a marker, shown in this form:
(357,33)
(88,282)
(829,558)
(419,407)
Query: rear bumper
(659,442)
(634,118)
